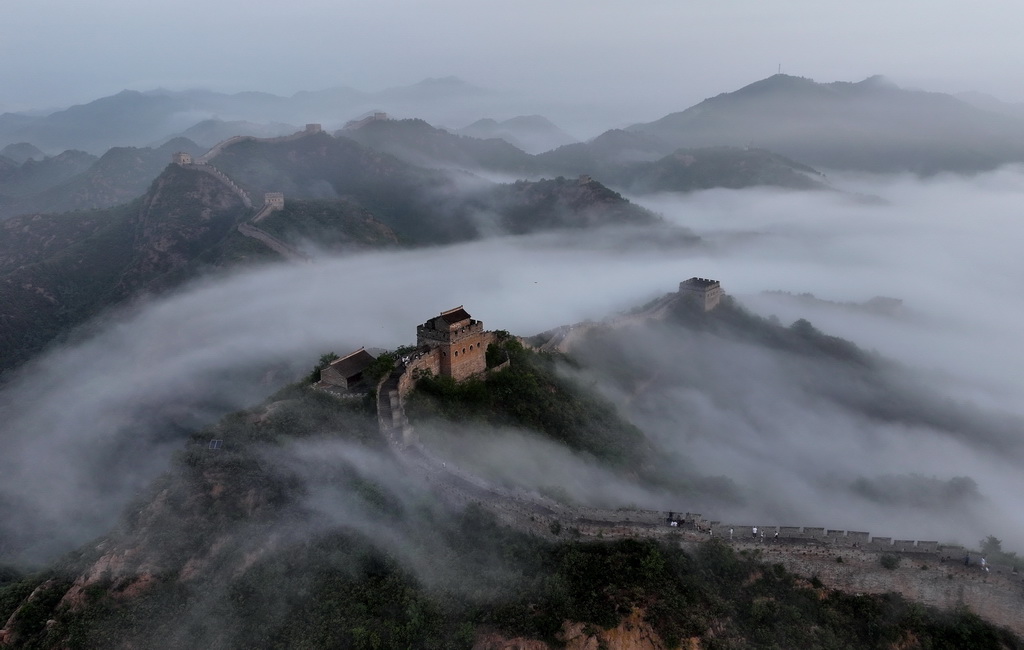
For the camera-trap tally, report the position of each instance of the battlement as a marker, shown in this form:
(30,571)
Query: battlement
(376,116)
(708,292)
(181,158)
(461,339)
(428,334)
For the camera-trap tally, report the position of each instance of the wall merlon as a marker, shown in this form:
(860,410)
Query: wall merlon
(816,533)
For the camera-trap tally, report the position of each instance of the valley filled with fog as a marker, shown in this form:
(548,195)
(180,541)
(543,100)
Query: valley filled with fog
(475,325)
(90,424)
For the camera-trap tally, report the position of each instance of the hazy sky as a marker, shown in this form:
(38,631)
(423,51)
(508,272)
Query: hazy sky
(653,55)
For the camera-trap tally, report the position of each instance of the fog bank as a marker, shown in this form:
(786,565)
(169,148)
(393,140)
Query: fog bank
(85,427)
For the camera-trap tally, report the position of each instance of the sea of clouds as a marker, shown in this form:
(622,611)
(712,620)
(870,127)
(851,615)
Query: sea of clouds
(86,426)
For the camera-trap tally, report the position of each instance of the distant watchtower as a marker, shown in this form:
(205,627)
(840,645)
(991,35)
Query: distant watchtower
(314,128)
(274,200)
(461,341)
(707,292)
(181,158)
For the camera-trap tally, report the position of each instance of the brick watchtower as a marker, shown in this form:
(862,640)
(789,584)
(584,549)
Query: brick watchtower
(706,292)
(460,340)
(274,199)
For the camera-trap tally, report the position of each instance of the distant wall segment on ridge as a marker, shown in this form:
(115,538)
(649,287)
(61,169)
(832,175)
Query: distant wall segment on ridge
(310,129)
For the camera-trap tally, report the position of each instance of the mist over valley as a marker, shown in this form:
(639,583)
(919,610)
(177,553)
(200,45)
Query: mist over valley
(469,362)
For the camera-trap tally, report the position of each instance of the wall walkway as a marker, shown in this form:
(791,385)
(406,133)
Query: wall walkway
(222,177)
(284,250)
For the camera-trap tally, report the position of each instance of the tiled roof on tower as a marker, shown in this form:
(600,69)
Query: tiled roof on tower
(456,315)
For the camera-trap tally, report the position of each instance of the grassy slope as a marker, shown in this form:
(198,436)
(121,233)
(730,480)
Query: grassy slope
(531,394)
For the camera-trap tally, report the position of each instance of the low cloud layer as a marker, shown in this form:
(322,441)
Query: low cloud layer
(85,427)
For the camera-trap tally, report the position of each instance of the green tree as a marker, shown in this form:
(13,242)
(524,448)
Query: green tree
(991,545)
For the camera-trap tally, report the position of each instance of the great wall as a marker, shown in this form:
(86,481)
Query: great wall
(927,572)
(272,201)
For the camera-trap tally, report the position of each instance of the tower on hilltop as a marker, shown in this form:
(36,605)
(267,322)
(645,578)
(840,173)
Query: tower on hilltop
(274,200)
(460,340)
(181,158)
(705,291)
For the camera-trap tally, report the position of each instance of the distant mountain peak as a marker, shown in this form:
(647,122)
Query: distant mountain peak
(871,125)
(531,133)
(450,80)
(775,83)
(878,81)
(483,122)
(447,84)
(19,152)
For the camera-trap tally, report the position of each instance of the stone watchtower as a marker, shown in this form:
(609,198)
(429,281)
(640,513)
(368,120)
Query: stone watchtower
(181,158)
(460,340)
(274,200)
(706,292)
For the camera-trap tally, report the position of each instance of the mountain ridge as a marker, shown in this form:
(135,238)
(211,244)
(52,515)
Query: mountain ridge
(871,125)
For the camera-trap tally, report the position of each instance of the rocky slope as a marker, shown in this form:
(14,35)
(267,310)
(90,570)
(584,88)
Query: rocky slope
(78,265)
(32,176)
(120,175)
(299,532)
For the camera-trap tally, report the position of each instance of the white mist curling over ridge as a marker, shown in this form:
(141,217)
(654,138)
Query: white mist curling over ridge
(947,246)
(69,411)
(87,426)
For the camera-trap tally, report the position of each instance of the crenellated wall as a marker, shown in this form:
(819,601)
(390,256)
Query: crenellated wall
(221,176)
(310,129)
